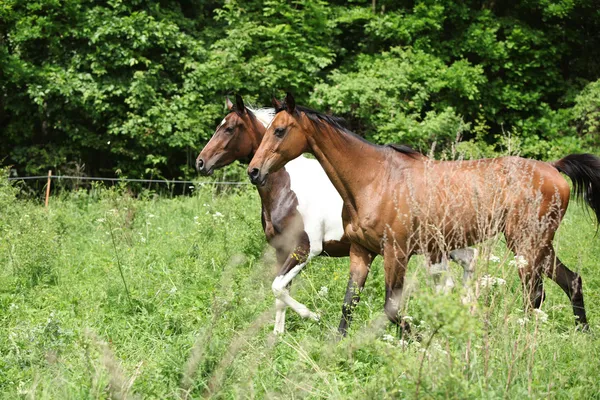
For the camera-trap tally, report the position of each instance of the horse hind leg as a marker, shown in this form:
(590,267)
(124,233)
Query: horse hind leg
(570,282)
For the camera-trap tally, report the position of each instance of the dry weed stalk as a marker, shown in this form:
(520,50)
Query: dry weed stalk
(120,385)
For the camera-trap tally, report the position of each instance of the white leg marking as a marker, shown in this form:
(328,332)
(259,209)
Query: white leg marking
(280,308)
(281,293)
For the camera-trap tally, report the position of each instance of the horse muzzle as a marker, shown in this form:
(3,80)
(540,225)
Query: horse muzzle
(202,168)
(256,177)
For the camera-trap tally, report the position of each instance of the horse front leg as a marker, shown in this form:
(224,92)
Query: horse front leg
(395,262)
(466,258)
(280,306)
(440,272)
(294,263)
(360,265)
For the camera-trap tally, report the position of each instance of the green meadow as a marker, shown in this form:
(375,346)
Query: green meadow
(109,295)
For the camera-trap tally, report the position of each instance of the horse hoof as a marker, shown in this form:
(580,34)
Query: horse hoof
(584,327)
(315,317)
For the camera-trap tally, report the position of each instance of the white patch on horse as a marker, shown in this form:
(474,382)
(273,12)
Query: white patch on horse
(319,203)
(222,123)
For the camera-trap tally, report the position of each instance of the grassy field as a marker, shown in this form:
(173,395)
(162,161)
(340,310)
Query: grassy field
(196,314)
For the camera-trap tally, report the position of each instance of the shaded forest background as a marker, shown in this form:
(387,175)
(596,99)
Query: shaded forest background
(138,86)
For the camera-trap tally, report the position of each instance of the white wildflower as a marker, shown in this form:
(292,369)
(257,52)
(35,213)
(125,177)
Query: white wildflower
(206,205)
(489,281)
(151,215)
(519,262)
(494,259)
(522,321)
(540,315)
(388,338)
(218,215)
(485,281)
(101,220)
(323,291)
(173,290)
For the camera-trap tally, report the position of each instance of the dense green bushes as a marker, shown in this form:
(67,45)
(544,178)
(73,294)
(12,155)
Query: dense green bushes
(139,86)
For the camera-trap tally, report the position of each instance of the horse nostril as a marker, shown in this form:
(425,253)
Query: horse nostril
(253,173)
(199,164)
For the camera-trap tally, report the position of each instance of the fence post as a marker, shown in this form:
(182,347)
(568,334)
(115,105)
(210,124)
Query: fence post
(48,187)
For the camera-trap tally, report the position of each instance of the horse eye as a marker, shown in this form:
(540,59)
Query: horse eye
(279,132)
(229,129)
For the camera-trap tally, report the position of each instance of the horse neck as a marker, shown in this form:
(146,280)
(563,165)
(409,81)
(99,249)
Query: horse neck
(278,185)
(350,162)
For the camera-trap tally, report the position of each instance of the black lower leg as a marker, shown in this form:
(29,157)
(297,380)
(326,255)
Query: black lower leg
(571,284)
(350,301)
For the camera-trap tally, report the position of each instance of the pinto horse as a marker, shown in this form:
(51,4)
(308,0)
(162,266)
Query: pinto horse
(398,203)
(301,210)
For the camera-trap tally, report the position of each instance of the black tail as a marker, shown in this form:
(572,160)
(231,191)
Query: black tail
(584,171)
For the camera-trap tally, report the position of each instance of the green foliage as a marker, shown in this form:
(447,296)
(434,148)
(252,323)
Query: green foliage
(139,86)
(586,112)
(403,96)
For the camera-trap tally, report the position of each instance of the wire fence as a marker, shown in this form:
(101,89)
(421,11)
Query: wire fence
(100,179)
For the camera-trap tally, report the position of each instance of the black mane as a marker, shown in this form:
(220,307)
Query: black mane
(319,118)
(404,149)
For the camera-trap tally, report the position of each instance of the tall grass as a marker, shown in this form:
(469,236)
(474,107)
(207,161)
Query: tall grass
(199,271)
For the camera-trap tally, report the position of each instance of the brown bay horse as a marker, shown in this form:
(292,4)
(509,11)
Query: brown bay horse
(398,203)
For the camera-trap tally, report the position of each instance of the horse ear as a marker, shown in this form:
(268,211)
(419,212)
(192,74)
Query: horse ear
(290,103)
(228,103)
(239,105)
(277,105)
